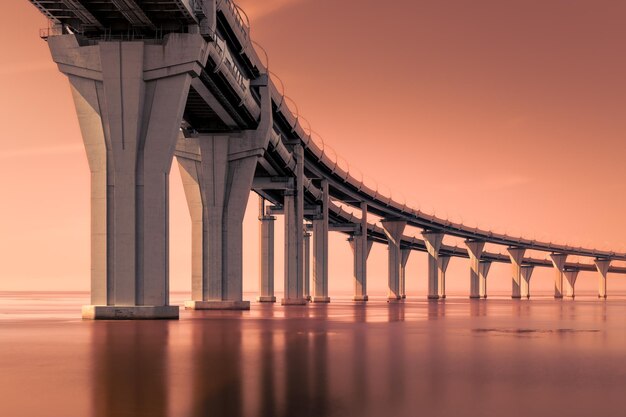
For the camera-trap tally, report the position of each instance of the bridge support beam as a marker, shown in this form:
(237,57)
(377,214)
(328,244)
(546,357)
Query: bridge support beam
(602,265)
(320,251)
(294,234)
(307,265)
(361,248)
(475,251)
(220,181)
(393,230)
(266,255)
(433,242)
(558,260)
(129,98)
(517,256)
(405,253)
(569,282)
(483,270)
(527,272)
(440,288)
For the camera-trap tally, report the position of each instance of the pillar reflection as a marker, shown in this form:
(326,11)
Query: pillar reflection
(129,369)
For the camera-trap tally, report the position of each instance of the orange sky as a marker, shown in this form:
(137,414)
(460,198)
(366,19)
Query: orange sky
(505,114)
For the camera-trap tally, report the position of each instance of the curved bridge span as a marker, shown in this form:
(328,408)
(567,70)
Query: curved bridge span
(154,80)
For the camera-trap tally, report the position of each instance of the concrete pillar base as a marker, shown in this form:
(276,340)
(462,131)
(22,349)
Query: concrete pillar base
(558,297)
(293,301)
(308,298)
(484,297)
(217,305)
(435,297)
(266,299)
(475,297)
(360,298)
(602,296)
(516,297)
(92,312)
(320,299)
(403,296)
(394,300)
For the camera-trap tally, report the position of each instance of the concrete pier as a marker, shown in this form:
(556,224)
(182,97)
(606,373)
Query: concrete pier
(320,250)
(517,256)
(558,260)
(433,242)
(475,251)
(266,255)
(569,282)
(307,265)
(294,245)
(405,253)
(129,98)
(393,230)
(221,181)
(483,271)
(440,288)
(361,248)
(527,272)
(602,265)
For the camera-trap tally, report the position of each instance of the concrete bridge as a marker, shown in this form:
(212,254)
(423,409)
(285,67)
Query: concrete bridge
(162,78)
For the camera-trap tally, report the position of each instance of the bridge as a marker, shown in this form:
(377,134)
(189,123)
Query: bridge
(162,78)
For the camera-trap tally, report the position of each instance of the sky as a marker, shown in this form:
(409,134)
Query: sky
(507,115)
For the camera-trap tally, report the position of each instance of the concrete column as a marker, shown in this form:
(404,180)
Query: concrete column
(527,272)
(558,260)
(222,178)
(483,270)
(569,282)
(433,241)
(266,255)
(294,251)
(393,230)
(361,248)
(307,265)
(440,288)
(475,251)
(517,256)
(405,253)
(129,98)
(320,251)
(602,265)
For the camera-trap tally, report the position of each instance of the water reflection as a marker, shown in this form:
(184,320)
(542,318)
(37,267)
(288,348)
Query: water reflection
(350,359)
(129,368)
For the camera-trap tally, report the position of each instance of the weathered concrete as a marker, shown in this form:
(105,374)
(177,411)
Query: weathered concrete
(517,256)
(483,271)
(361,248)
(217,305)
(306,236)
(527,272)
(558,260)
(602,265)
(475,251)
(266,255)
(569,282)
(393,230)
(433,242)
(320,250)
(440,288)
(405,253)
(217,187)
(294,245)
(93,312)
(129,98)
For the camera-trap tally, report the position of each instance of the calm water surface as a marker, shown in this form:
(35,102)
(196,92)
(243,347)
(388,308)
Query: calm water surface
(453,358)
